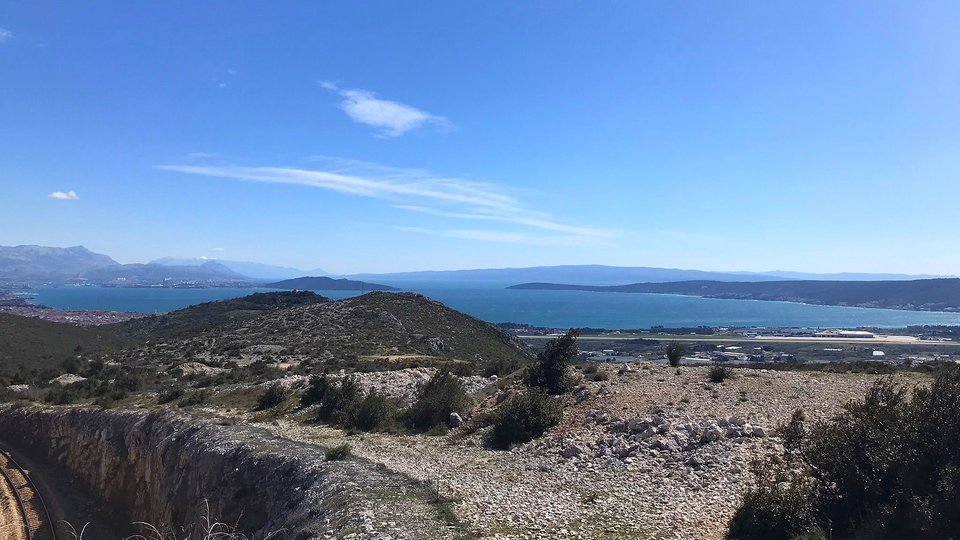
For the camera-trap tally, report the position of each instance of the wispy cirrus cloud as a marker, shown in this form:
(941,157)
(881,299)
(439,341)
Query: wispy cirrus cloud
(5,35)
(393,119)
(420,192)
(65,195)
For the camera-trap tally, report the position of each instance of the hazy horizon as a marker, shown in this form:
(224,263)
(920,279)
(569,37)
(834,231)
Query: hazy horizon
(815,138)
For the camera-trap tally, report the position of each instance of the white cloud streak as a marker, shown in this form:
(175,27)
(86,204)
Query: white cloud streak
(393,119)
(65,195)
(5,35)
(420,192)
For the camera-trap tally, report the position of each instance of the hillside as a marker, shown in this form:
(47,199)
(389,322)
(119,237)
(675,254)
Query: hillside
(210,315)
(377,327)
(35,343)
(328,284)
(920,294)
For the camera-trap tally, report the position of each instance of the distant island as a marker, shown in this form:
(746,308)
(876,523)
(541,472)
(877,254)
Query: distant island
(915,295)
(318,283)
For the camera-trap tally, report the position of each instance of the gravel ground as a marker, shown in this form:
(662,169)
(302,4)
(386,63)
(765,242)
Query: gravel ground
(652,491)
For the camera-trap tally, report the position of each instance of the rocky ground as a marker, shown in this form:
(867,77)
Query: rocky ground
(653,452)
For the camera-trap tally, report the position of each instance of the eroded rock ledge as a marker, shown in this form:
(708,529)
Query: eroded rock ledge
(160,467)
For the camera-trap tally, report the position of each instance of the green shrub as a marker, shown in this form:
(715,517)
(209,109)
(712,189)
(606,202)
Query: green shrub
(341,403)
(773,510)
(501,366)
(316,391)
(523,418)
(61,395)
(675,352)
(590,368)
(718,374)
(197,397)
(551,371)
(442,395)
(338,453)
(166,395)
(374,412)
(274,395)
(795,431)
(599,376)
(886,467)
(340,396)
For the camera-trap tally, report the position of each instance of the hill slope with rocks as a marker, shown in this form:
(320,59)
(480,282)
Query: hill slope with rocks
(387,328)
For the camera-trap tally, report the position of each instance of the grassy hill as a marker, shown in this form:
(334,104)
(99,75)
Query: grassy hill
(37,343)
(201,318)
(375,331)
(379,327)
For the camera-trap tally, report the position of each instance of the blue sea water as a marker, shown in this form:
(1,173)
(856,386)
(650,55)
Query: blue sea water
(494,303)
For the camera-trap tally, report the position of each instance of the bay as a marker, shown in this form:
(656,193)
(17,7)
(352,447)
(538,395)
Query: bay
(560,309)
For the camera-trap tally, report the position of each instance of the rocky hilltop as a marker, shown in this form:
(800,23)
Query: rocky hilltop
(377,327)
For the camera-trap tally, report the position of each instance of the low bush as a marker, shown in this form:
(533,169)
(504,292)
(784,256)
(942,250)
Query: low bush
(166,395)
(795,431)
(674,352)
(342,403)
(338,453)
(590,368)
(338,396)
(524,417)
(551,371)
(375,412)
(442,395)
(197,397)
(500,367)
(316,391)
(886,467)
(773,510)
(718,374)
(599,376)
(274,395)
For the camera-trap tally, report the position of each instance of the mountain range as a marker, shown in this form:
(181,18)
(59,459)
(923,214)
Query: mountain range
(40,263)
(611,275)
(919,294)
(33,265)
(249,269)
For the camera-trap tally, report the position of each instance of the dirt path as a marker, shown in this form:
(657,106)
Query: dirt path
(22,511)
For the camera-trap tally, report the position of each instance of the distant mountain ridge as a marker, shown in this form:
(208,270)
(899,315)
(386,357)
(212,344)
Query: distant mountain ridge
(328,284)
(41,263)
(35,265)
(595,274)
(249,269)
(157,273)
(918,295)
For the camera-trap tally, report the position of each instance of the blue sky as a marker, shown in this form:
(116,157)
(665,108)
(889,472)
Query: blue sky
(388,136)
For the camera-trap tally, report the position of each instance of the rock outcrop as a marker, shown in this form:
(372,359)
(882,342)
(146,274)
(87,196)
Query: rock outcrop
(162,468)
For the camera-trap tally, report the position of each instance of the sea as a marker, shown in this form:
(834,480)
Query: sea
(555,309)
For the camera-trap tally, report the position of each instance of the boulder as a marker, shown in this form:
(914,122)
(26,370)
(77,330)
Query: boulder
(571,450)
(455,421)
(649,432)
(67,379)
